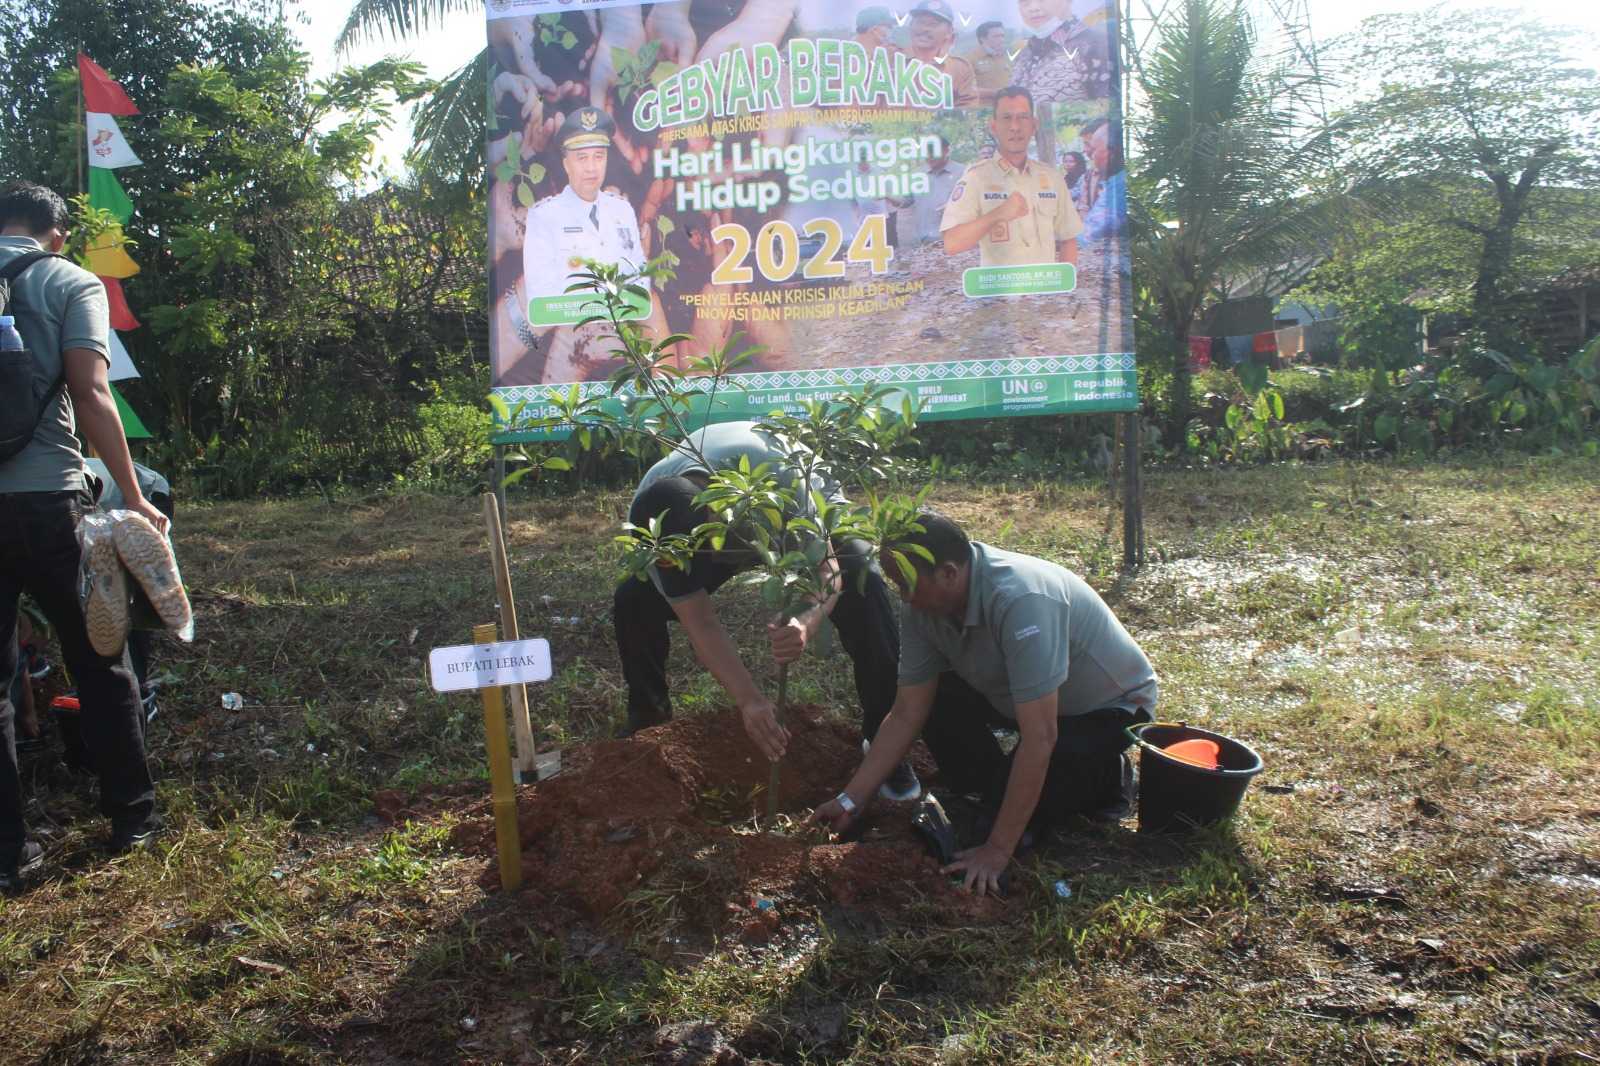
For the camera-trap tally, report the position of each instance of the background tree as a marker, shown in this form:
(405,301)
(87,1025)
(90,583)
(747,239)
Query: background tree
(1484,117)
(1222,176)
(299,325)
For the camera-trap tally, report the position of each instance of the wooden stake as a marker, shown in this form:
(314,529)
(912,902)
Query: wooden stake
(508,625)
(507,843)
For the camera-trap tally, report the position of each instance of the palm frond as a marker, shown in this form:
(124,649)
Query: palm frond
(370,19)
(1229,180)
(450,126)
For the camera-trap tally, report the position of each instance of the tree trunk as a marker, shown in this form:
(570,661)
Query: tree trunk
(1178,316)
(1182,391)
(1490,312)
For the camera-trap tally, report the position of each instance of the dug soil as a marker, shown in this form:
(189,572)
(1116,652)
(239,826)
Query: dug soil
(667,824)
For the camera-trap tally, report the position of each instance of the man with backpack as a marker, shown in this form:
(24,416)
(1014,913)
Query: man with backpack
(58,383)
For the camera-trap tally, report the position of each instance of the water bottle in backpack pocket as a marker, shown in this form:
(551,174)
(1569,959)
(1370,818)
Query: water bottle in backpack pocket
(21,403)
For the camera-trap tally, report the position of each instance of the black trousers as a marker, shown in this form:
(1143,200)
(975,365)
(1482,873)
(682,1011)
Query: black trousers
(39,555)
(864,616)
(1085,773)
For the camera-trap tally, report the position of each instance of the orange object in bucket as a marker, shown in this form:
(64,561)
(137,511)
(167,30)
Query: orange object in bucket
(1197,752)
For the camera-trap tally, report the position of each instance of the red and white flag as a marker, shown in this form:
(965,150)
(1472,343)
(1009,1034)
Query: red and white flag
(108,148)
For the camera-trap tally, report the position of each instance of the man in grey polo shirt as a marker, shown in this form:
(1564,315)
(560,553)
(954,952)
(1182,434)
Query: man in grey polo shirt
(61,314)
(993,639)
(861,610)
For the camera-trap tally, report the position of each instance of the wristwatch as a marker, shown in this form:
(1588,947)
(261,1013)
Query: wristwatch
(843,799)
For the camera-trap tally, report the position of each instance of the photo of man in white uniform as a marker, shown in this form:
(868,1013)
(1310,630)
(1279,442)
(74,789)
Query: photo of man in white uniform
(582,221)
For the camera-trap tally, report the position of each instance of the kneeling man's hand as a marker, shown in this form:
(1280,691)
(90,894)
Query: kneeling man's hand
(761,722)
(983,866)
(833,815)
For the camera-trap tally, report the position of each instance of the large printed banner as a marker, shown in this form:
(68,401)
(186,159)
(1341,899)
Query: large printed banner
(928,195)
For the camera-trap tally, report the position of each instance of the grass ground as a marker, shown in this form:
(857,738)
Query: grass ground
(1415,878)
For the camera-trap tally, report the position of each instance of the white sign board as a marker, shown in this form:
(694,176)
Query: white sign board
(506,662)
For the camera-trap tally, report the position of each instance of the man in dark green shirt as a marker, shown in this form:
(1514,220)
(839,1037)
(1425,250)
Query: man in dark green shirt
(861,610)
(992,639)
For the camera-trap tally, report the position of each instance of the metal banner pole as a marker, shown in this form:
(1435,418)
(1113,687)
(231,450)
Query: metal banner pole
(498,478)
(1132,494)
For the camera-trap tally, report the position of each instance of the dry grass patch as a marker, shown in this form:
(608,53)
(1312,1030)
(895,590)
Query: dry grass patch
(1415,878)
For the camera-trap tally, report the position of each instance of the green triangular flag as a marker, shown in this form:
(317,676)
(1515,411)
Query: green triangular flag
(132,428)
(107,193)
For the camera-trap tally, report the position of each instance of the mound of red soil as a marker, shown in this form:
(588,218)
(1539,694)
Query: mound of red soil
(671,811)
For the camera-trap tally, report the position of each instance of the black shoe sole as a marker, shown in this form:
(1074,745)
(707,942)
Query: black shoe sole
(123,845)
(15,882)
(128,847)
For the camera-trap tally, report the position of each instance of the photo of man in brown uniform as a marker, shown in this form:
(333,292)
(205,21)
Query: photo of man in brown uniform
(1016,211)
(933,32)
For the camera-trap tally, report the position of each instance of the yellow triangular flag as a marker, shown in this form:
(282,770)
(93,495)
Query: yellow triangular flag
(107,258)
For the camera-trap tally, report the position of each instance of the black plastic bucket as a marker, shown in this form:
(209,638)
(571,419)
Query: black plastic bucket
(1175,795)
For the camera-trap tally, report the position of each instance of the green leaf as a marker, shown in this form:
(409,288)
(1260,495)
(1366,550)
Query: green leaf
(555,462)
(1385,426)
(525,195)
(536,172)
(1252,376)
(1500,384)
(908,572)
(663,70)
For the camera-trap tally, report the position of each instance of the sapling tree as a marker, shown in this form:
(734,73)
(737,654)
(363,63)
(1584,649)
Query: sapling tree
(781,522)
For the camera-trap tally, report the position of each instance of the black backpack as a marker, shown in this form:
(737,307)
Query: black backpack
(21,407)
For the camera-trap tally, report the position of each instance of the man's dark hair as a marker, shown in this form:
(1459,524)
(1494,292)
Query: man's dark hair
(673,499)
(946,541)
(987,26)
(33,206)
(1010,91)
